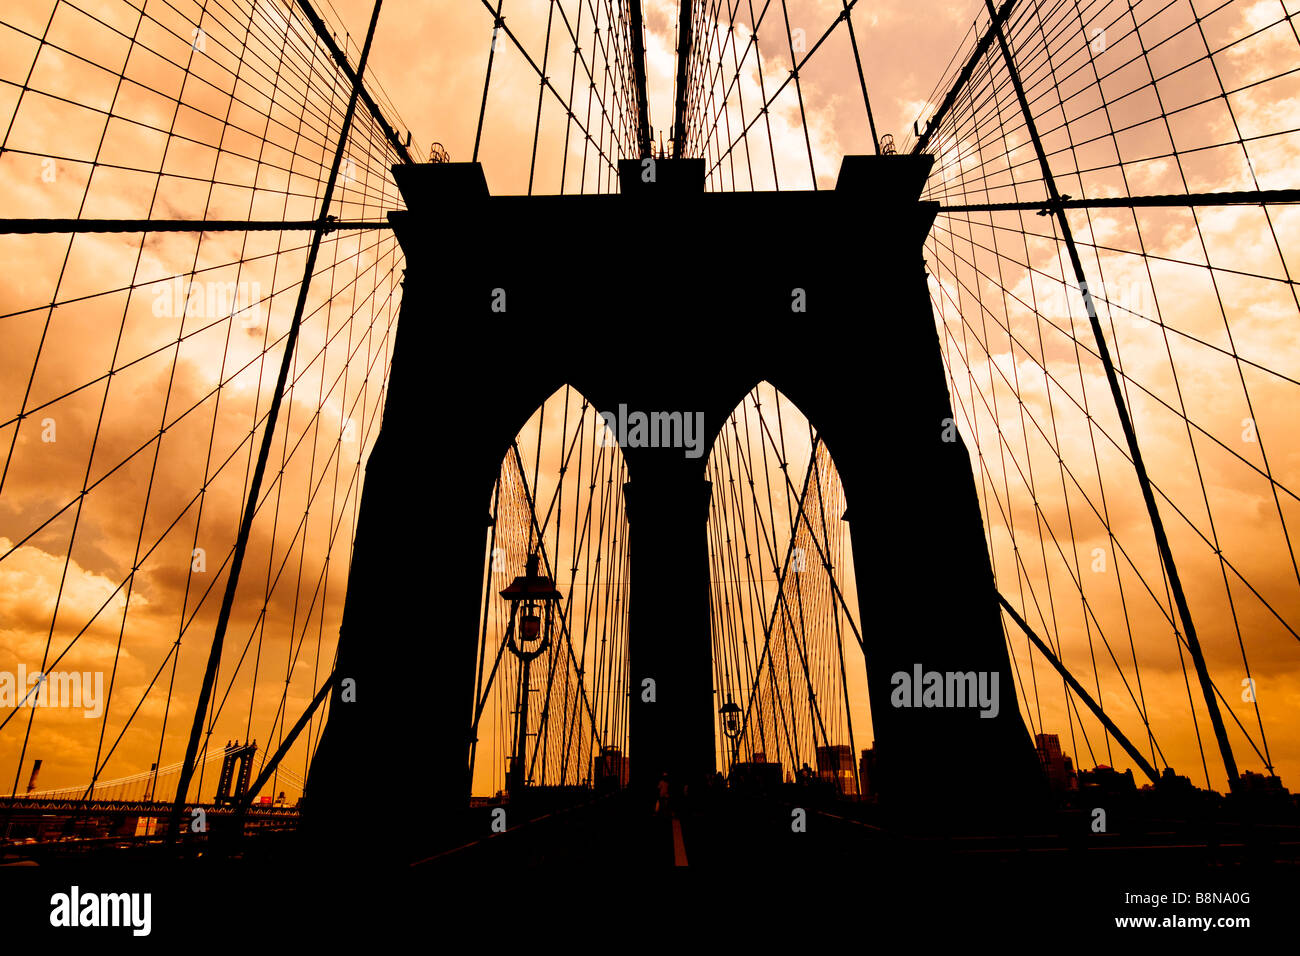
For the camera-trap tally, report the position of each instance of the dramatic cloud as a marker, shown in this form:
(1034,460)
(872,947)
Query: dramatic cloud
(122,494)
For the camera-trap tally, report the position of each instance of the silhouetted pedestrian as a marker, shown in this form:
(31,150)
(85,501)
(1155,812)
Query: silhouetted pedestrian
(661,805)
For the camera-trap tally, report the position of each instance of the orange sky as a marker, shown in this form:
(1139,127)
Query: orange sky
(429,59)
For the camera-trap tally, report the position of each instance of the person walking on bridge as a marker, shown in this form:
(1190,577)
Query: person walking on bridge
(661,805)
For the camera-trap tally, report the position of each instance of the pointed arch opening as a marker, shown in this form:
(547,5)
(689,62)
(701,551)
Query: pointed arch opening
(558,497)
(790,680)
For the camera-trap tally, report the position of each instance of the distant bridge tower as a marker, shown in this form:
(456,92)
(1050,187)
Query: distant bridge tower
(236,771)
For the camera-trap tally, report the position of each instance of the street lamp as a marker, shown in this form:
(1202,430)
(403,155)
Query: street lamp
(533,602)
(730,714)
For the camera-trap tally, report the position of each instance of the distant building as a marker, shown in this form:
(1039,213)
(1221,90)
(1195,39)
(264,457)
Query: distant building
(868,773)
(1261,782)
(1058,767)
(1107,780)
(835,764)
(1263,790)
(609,769)
(1172,782)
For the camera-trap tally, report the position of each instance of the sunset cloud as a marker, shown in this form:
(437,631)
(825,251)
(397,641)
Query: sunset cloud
(151,463)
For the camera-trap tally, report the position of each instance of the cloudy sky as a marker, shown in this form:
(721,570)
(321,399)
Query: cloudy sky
(91,492)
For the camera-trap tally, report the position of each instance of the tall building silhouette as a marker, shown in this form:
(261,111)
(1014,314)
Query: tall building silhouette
(1058,767)
(835,763)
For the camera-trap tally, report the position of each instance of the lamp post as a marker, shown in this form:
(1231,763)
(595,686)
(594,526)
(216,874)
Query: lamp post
(533,602)
(730,714)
